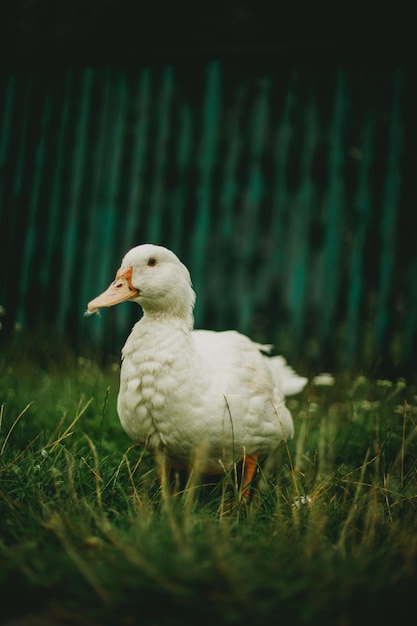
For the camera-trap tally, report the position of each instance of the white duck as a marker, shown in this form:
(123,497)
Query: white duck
(203,399)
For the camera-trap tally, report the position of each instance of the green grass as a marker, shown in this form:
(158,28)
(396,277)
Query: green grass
(87,536)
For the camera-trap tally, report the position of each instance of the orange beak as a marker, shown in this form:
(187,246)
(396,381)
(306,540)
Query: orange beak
(120,290)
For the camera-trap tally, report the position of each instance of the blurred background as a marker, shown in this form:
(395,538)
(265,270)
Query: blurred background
(272,147)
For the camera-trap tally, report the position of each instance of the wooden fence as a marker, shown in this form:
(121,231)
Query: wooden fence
(291,196)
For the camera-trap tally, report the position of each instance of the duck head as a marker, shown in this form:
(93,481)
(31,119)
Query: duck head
(155,278)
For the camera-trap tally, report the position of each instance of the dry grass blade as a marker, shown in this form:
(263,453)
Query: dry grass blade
(13,426)
(68,431)
(94,470)
(19,456)
(354,506)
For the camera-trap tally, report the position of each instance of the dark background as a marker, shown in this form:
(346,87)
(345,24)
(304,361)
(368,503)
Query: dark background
(60,56)
(39,32)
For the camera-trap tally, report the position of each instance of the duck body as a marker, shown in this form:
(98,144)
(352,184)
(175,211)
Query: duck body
(204,399)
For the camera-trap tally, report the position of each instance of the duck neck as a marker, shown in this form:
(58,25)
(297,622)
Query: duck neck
(175,311)
(167,318)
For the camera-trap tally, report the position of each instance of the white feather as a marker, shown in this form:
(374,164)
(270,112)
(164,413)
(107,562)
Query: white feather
(199,396)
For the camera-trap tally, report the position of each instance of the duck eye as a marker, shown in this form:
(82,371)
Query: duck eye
(151,261)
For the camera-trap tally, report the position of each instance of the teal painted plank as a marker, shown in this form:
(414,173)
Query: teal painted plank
(334,209)
(71,201)
(389,217)
(183,156)
(255,188)
(299,246)
(409,332)
(6,126)
(19,178)
(109,214)
(249,225)
(96,127)
(18,210)
(229,189)
(364,209)
(208,152)
(158,194)
(104,219)
(280,196)
(228,215)
(135,214)
(135,209)
(32,222)
(56,208)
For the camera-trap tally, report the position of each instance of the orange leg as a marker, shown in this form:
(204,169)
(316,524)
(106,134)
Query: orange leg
(249,468)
